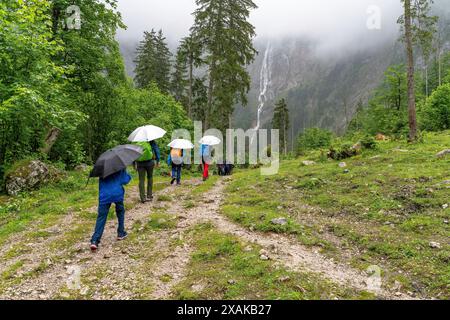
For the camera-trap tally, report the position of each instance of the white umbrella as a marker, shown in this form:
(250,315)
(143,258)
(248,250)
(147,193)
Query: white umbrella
(146,133)
(210,141)
(181,144)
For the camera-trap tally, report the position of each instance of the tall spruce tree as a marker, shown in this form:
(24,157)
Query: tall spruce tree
(222,27)
(153,61)
(179,78)
(163,62)
(281,121)
(188,58)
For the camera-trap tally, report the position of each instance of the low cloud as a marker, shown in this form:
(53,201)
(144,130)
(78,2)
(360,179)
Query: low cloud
(332,23)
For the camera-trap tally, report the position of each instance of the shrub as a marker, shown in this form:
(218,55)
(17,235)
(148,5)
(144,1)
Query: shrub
(343,151)
(314,138)
(368,142)
(435,114)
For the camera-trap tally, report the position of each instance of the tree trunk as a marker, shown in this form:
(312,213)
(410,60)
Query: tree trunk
(410,58)
(210,95)
(285,140)
(439,58)
(191,84)
(50,140)
(55,19)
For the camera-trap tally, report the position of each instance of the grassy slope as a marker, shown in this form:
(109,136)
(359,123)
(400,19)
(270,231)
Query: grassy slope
(385,211)
(224,267)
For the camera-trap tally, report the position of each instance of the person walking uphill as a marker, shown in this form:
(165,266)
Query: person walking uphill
(206,159)
(111,191)
(176,160)
(145,166)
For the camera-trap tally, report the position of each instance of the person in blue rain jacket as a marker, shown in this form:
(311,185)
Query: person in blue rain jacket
(111,190)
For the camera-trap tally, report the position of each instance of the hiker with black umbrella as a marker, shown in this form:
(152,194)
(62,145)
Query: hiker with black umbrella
(111,169)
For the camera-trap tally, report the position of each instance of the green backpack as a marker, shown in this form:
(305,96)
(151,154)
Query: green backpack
(148,151)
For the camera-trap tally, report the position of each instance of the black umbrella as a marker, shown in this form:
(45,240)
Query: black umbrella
(115,160)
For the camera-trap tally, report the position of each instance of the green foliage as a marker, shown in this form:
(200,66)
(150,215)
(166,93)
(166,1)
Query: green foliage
(387,110)
(435,114)
(73,80)
(33,90)
(314,138)
(342,151)
(368,142)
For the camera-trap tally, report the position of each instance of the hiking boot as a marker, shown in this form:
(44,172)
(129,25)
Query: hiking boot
(150,199)
(122,237)
(173,181)
(94,247)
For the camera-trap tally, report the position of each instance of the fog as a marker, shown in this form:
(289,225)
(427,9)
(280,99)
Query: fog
(332,23)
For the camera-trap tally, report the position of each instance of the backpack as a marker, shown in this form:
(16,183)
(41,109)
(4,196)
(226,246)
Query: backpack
(177,156)
(148,151)
(205,151)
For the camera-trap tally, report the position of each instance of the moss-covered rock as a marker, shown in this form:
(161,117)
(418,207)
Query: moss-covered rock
(28,175)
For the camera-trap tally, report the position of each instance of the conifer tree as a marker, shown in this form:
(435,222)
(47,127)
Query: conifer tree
(153,61)
(179,78)
(281,121)
(222,27)
(188,58)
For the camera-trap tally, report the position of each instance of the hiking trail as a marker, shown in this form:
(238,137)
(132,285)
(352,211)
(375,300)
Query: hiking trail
(150,264)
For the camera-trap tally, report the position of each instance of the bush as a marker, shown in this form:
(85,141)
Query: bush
(369,143)
(435,114)
(314,138)
(342,151)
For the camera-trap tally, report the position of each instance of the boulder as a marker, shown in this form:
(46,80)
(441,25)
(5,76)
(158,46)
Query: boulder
(342,165)
(30,175)
(280,221)
(435,245)
(443,153)
(82,167)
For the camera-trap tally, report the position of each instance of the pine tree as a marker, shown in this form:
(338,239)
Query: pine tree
(153,61)
(179,78)
(188,58)
(163,63)
(222,27)
(145,64)
(281,121)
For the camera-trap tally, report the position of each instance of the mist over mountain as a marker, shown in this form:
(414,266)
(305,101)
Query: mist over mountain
(320,55)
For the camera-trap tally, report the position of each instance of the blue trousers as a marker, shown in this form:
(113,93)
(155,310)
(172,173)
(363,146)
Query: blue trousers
(103,210)
(176,172)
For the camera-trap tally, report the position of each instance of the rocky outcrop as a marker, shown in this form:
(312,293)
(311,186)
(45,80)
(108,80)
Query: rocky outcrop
(443,153)
(29,175)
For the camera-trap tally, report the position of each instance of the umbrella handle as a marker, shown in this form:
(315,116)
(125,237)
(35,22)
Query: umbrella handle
(87,183)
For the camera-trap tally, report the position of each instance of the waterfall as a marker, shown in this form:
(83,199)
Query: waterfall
(265,79)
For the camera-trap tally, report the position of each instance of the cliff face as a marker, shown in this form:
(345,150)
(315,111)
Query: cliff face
(322,89)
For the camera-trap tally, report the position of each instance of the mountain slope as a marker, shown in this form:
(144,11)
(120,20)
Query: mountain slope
(321,89)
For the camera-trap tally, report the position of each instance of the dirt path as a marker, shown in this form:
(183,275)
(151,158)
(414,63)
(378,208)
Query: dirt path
(114,259)
(150,265)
